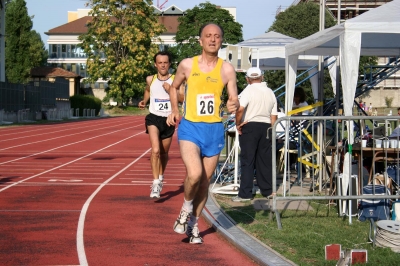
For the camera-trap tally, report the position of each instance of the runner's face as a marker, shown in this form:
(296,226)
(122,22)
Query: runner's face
(162,64)
(211,38)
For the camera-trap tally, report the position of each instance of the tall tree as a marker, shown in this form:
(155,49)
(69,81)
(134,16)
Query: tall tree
(299,21)
(122,31)
(24,47)
(37,49)
(189,26)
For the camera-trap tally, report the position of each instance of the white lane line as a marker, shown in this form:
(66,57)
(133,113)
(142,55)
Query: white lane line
(47,184)
(64,180)
(66,145)
(96,164)
(56,131)
(74,173)
(80,158)
(68,126)
(81,223)
(148,174)
(45,140)
(40,210)
(58,177)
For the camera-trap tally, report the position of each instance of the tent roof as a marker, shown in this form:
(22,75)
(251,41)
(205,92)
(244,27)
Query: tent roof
(271,38)
(380,34)
(269,48)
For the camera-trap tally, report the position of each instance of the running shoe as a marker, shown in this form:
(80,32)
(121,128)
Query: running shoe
(155,190)
(180,225)
(194,235)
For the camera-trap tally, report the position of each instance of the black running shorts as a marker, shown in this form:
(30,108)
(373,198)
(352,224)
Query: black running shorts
(161,123)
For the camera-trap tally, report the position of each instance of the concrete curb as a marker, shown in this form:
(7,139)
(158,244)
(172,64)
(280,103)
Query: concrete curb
(252,247)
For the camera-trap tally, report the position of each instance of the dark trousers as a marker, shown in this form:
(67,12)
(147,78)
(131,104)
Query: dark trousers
(255,154)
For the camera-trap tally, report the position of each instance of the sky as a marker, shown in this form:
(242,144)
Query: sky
(255,18)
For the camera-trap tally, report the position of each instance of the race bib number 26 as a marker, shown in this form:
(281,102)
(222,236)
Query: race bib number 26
(205,104)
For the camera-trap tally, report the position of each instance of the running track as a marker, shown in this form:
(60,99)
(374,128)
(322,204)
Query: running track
(77,193)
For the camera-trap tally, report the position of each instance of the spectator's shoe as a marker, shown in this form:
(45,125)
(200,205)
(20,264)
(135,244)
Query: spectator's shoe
(155,189)
(239,199)
(194,235)
(180,225)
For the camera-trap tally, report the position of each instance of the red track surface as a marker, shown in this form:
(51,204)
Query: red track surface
(78,193)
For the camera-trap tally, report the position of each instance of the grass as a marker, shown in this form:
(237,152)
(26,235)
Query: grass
(124,110)
(304,234)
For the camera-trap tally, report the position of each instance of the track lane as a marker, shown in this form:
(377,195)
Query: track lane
(41,138)
(114,217)
(31,130)
(42,194)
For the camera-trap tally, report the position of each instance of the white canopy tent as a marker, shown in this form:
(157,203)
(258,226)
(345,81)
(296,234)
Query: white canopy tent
(376,32)
(267,51)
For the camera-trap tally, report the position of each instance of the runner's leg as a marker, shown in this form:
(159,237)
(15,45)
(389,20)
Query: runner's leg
(200,199)
(155,150)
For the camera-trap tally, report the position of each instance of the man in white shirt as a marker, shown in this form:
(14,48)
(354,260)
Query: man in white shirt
(160,134)
(257,113)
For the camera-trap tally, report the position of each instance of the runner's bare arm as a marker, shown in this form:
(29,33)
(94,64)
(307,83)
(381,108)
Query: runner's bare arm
(181,93)
(146,96)
(229,76)
(180,77)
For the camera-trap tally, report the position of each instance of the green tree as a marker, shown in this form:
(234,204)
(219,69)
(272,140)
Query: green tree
(24,47)
(299,21)
(189,26)
(37,50)
(119,45)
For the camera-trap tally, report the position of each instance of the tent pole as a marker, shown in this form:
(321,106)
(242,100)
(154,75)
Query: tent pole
(321,95)
(338,66)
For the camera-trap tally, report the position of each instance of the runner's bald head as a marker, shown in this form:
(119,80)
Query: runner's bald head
(208,24)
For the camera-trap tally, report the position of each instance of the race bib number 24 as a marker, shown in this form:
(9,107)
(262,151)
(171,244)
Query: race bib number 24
(205,104)
(162,105)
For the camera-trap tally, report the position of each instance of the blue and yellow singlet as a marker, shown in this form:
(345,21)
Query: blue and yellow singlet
(203,95)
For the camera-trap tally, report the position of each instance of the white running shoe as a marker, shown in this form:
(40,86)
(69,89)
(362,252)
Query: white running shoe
(180,225)
(194,235)
(155,189)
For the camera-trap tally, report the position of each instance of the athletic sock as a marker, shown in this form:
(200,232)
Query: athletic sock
(193,220)
(161,177)
(156,181)
(188,205)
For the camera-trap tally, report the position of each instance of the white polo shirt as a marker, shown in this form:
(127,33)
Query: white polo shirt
(259,102)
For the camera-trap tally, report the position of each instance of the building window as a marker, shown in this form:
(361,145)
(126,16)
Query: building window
(53,51)
(63,50)
(73,47)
